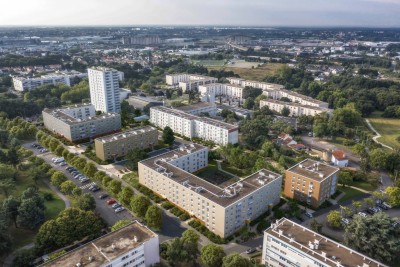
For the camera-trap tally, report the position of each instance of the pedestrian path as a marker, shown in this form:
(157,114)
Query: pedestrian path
(375,138)
(87,185)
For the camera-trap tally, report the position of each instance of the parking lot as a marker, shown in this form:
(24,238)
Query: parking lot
(104,210)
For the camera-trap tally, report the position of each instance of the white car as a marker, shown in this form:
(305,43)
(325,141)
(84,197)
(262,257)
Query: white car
(345,221)
(119,209)
(362,214)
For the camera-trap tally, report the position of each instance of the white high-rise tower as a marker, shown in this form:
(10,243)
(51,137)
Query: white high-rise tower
(104,89)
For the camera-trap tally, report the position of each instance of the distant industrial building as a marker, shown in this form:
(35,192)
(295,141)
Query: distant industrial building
(224,208)
(28,84)
(80,122)
(311,181)
(119,144)
(192,126)
(141,102)
(131,246)
(287,243)
(296,109)
(104,89)
(142,40)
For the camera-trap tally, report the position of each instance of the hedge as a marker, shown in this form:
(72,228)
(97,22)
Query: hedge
(207,233)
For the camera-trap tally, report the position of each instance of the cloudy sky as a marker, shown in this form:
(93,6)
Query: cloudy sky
(374,13)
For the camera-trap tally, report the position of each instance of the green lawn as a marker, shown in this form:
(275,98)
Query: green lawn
(349,193)
(388,128)
(238,172)
(363,185)
(210,63)
(213,175)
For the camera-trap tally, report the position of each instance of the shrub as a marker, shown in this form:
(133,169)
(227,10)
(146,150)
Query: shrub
(48,196)
(184,217)
(167,205)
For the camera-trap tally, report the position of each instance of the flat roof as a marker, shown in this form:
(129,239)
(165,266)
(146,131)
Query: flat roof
(295,104)
(335,253)
(102,69)
(224,84)
(312,169)
(126,134)
(187,116)
(196,106)
(61,115)
(250,81)
(232,191)
(310,99)
(106,248)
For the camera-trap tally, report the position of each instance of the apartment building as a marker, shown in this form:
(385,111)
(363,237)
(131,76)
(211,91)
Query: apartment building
(200,108)
(131,246)
(104,89)
(28,84)
(295,98)
(119,144)
(311,181)
(192,126)
(287,243)
(188,82)
(295,108)
(141,40)
(221,89)
(80,122)
(261,85)
(223,207)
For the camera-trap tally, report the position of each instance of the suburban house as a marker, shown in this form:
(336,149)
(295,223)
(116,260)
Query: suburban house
(339,158)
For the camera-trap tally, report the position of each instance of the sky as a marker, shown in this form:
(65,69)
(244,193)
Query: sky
(315,13)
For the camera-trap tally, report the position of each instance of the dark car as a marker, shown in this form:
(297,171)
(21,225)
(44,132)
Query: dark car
(95,189)
(103,196)
(251,250)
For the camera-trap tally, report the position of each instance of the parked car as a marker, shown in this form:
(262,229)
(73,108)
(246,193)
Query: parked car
(251,250)
(84,180)
(119,209)
(34,145)
(308,214)
(103,196)
(63,163)
(44,150)
(95,189)
(345,221)
(111,201)
(382,206)
(362,214)
(92,186)
(69,169)
(387,205)
(116,205)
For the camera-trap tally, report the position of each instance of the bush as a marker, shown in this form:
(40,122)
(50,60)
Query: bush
(167,205)
(260,218)
(184,217)
(264,224)
(207,233)
(48,196)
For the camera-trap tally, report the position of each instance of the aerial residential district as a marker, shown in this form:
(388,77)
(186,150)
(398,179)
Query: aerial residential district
(199,146)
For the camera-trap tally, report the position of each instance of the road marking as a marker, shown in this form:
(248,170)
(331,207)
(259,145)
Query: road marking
(87,185)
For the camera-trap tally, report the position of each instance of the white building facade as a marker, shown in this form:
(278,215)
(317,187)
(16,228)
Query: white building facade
(295,109)
(22,84)
(255,84)
(104,89)
(220,89)
(295,98)
(192,126)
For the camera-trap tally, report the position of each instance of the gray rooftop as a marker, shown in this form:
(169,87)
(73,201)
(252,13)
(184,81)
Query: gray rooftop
(295,104)
(312,169)
(126,134)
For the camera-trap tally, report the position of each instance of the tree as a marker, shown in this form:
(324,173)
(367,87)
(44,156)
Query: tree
(369,202)
(285,111)
(356,205)
(10,207)
(125,195)
(334,218)
(120,224)
(139,205)
(57,179)
(154,217)
(7,185)
(235,260)
(316,226)
(134,156)
(71,225)
(67,187)
(249,103)
(5,239)
(345,178)
(115,186)
(374,236)
(393,194)
(24,258)
(13,157)
(168,136)
(90,169)
(212,255)
(85,202)
(30,214)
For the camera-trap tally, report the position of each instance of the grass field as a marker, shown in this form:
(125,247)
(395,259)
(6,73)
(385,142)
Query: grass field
(210,63)
(388,128)
(238,172)
(213,175)
(257,74)
(350,193)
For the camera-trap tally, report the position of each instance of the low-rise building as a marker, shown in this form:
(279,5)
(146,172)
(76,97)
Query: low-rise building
(131,246)
(27,84)
(119,144)
(255,84)
(223,207)
(187,81)
(311,182)
(192,126)
(200,108)
(80,122)
(209,91)
(287,243)
(295,108)
(339,158)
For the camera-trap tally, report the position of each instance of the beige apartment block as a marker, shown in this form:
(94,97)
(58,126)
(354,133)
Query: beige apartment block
(287,243)
(295,108)
(119,144)
(223,207)
(80,122)
(311,182)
